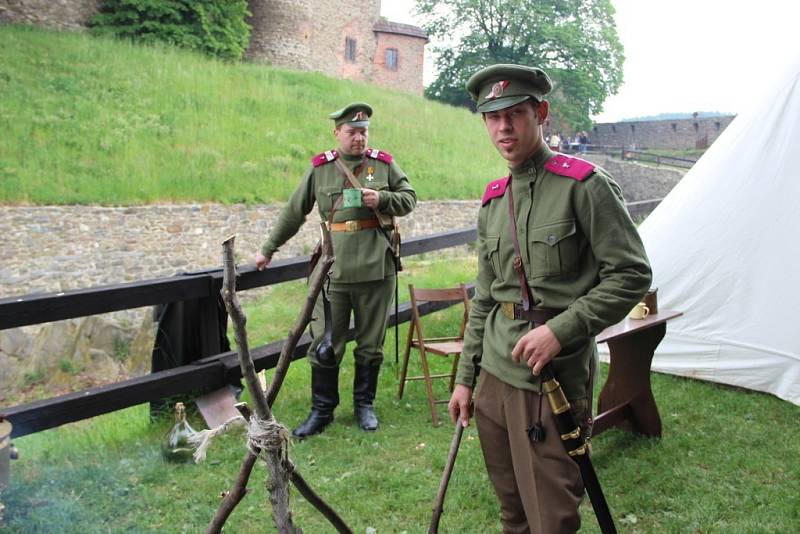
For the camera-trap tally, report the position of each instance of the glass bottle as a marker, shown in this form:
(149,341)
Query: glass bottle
(175,447)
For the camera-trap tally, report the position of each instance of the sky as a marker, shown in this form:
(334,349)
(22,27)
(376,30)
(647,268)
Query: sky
(684,56)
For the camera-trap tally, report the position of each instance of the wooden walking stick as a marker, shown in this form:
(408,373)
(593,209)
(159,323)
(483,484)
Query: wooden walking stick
(438,506)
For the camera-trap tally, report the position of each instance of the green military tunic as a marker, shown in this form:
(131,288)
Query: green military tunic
(363,275)
(361,256)
(581,253)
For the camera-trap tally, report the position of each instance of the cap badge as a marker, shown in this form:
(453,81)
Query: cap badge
(359,116)
(497,90)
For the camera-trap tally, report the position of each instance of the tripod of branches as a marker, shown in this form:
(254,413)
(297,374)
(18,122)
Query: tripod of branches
(273,447)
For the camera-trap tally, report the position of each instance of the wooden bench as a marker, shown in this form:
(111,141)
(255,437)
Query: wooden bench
(626,400)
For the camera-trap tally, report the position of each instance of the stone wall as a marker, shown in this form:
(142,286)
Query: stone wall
(307,35)
(58,248)
(292,18)
(639,182)
(53,14)
(663,134)
(411,55)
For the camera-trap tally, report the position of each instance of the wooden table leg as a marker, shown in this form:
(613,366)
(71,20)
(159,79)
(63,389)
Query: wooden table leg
(626,400)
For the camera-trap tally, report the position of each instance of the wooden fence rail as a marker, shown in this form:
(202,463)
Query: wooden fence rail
(206,374)
(46,307)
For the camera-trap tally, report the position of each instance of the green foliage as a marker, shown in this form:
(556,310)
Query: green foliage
(88,120)
(575,41)
(67,366)
(215,27)
(106,474)
(33,377)
(122,348)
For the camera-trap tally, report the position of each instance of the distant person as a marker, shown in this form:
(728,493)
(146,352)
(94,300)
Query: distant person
(555,142)
(559,260)
(363,278)
(583,142)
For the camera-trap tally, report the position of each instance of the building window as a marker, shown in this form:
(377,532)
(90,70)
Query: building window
(716,124)
(674,127)
(350,49)
(391,58)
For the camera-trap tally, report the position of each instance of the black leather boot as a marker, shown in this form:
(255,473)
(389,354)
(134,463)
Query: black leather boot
(324,398)
(365,384)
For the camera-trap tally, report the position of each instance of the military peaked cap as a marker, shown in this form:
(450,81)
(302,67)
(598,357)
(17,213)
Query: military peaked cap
(502,86)
(356,115)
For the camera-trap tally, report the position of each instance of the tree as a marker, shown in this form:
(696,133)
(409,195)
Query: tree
(574,41)
(215,27)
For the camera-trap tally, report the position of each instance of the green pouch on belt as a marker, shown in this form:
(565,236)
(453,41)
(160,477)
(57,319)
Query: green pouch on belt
(352,198)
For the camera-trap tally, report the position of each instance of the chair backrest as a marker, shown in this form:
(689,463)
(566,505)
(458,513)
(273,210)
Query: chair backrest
(448,294)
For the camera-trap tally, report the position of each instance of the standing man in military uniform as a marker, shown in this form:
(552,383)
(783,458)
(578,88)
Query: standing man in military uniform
(581,256)
(363,277)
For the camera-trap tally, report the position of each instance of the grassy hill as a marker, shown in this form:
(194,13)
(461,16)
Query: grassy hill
(89,120)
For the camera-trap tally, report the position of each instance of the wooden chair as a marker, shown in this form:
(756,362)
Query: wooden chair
(441,346)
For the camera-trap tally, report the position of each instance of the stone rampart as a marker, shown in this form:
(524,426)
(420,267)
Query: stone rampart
(678,134)
(53,14)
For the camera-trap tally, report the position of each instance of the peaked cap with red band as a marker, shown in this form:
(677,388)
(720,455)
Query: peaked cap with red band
(502,86)
(356,115)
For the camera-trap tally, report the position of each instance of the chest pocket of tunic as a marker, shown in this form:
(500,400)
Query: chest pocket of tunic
(327,196)
(493,254)
(554,249)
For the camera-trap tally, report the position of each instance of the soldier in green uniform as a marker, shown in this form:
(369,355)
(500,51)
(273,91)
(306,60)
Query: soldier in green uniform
(586,267)
(363,277)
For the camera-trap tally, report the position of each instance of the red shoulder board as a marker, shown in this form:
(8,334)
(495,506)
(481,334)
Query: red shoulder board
(325,157)
(495,189)
(374,153)
(575,168)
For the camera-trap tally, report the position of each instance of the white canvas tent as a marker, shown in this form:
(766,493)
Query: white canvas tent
(725,250)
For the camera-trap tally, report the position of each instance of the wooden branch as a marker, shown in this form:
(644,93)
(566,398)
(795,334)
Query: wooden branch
(318,503)
(314,288)
(438,506)
(239,321)
(234,496)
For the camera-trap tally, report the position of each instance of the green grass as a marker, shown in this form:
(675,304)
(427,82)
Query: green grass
(86,120)
(727,461)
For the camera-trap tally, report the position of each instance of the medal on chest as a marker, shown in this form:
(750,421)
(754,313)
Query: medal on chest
(370,172)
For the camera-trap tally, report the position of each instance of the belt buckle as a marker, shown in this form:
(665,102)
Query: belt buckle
(508,309)
(352,226)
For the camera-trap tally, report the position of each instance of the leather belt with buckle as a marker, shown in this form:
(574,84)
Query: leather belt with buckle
(354,225)
(536,315)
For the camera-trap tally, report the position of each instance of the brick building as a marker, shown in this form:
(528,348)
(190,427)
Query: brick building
(342,40)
